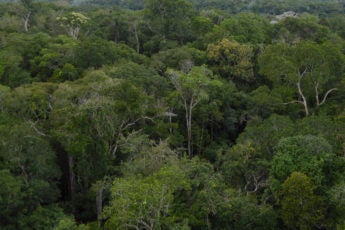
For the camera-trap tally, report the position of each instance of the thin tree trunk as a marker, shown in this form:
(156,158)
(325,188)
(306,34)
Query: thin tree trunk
(188,109)
(317,94)
(135,31)
(201,138)
(190,149)
(116,32)
(304,100)
(99,200)
(71,163)
(26,19)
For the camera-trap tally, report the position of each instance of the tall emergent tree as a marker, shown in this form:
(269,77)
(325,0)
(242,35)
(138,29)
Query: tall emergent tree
(192,89)
(25,11)
(73,22)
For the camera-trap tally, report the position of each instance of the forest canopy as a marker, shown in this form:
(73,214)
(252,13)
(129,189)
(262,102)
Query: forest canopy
(172,114)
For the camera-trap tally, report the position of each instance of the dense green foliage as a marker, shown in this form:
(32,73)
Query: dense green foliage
(172,114)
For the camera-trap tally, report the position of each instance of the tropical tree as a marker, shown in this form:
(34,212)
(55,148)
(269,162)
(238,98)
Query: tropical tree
(232,60)
(245,165)
(292,30)
(56,61)
(93,118)
(73,23)
(307,154)
(145,203)
(25,10)
(300,207)
(29,175)
(312,70)
(169,19)
(248,28)
(191,88)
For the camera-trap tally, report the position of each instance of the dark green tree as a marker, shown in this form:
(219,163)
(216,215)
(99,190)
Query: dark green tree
(29,175)
(169,19)
(248,28)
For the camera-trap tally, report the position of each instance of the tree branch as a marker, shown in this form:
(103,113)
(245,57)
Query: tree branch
(326,95)
(304,102)
(301,75)
(291,102)
(35,129)
(131,226)
(317,94)
(145,224)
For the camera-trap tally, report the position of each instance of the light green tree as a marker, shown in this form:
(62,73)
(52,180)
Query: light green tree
(145,203)
(55,61)
(191,88)
(73,23)
(306,154)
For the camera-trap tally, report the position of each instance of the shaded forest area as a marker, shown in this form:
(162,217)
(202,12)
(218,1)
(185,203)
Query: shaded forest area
(172,114)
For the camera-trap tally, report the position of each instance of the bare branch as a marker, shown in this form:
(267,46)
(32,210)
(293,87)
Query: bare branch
(304,102)
(317,93)
(292,102)
(131,226)
(149,118)
(24,173)
(301,75)
(36,130)
(145,224)
(326,95)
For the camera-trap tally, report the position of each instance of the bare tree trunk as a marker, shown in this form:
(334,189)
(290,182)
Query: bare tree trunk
(71,163)
(304,100)
(317,94)
(99,200)
(25,175)
(73,32)
(201,138)
(188,109)
(136,36)
(138,42)
(26,19)
(116,32)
